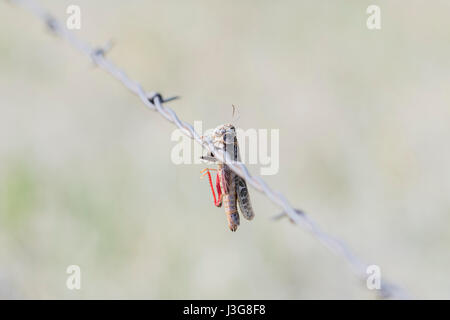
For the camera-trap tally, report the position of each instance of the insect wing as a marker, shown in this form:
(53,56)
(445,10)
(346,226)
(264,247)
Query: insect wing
(243,198)
(241,188)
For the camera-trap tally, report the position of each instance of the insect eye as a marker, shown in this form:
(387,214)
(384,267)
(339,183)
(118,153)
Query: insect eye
(211,154)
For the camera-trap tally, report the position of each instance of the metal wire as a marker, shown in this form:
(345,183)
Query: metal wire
(154,101)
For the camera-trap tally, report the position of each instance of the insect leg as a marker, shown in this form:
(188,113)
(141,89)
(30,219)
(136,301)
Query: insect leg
(207,169)
(219,191)
(217,202)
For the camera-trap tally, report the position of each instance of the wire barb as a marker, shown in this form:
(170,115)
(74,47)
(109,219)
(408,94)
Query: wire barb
(155,102)
(101,51)
(153,95)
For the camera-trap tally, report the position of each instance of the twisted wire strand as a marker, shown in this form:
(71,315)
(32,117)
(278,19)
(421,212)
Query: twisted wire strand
(155,102)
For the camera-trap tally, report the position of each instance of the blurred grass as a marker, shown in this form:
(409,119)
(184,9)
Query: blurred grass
(85,170)
(18,196)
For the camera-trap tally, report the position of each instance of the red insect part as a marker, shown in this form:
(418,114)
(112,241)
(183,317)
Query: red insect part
(217,202)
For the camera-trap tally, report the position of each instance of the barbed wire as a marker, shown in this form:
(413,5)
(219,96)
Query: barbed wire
(155,102)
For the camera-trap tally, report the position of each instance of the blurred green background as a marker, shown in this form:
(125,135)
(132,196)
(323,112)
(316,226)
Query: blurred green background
(85,170)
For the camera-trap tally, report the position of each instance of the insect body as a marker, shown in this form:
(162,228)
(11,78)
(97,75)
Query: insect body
(231,188)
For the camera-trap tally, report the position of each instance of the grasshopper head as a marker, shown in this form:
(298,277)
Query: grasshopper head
(223,137)
(223,134)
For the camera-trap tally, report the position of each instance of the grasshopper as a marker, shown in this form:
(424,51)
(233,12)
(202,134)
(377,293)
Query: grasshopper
(231,188)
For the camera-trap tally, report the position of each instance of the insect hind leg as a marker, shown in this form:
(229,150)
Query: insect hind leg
(217,201)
